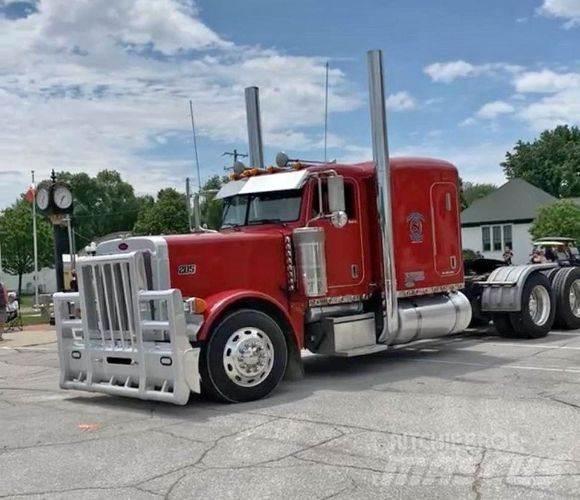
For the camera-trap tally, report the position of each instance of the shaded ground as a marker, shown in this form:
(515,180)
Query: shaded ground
(470,416)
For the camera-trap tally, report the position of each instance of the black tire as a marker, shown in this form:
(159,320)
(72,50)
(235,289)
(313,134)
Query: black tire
(551,274)
(503,325)
(563,282)
(216,382)
(522,321)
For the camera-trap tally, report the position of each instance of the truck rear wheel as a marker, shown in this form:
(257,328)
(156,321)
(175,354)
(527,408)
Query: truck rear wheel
(567,290)
(245,358)
(536,317)
(503,325)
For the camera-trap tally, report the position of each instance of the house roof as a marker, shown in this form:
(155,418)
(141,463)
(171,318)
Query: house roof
(516,200)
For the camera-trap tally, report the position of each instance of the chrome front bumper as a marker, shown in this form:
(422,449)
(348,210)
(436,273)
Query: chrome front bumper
(116,338)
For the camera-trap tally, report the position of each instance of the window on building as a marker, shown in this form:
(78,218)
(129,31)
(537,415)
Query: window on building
(485,238)
(507,236)
(497,238)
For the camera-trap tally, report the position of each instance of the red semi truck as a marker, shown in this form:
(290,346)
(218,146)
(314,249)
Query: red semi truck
(342,260)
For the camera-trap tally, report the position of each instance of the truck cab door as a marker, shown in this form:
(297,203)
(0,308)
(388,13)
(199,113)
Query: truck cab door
(344,257)
(446,239)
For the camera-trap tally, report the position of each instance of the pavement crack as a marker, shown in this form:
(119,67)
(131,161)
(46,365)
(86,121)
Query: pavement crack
(213,445)
(349,488)
(567,403)
(174,485)
(477,479)
(67,490)
(419,437)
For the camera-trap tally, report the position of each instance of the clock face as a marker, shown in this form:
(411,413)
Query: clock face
(62,197)
(42,198)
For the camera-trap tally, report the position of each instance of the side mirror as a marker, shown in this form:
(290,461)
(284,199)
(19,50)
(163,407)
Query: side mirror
(336,201)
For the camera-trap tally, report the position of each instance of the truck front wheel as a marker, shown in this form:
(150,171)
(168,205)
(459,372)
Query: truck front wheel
(245,357)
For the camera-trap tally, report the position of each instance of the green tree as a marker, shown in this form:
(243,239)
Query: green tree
(17,240)
(210,208)
(167,215)
(474,191)
(559,219)
(104,204)
(551,162)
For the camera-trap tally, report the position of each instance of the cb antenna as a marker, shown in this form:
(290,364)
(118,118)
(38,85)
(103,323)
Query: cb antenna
(195,145)
(326,111)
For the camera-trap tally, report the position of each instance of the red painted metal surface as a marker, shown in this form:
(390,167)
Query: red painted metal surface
(426,224)
(250,261)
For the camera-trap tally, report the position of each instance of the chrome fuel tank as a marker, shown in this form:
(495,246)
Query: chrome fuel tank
(430,317)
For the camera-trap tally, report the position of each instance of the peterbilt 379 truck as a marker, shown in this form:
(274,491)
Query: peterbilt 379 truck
(342,260)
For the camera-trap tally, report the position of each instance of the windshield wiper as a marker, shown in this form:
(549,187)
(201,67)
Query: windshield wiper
(266,221)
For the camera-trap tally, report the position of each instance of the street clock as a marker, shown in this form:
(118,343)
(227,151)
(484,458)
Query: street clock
(62,197)
(43,198)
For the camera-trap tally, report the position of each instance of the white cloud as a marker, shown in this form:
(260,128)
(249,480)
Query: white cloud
(87,85)
(447,72)
(546,81)
(401,101)
(560,106)
(562,9)
(476,163)
(557,109)
(468,122)
(492,110)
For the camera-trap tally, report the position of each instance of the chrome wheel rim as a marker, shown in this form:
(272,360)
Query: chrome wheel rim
(248,356)
(539,305)
(574,298)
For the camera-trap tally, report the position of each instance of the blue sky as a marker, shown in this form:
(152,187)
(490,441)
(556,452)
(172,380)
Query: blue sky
(87,85)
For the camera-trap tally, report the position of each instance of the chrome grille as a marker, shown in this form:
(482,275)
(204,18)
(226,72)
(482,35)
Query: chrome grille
(108,298)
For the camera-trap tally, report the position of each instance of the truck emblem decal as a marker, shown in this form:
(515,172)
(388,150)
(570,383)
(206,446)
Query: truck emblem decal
(184,269)
(415,220)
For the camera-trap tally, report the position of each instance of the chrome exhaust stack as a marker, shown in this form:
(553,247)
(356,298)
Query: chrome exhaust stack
(254,127)
(383,174)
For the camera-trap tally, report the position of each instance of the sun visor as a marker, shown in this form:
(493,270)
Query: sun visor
(283,181)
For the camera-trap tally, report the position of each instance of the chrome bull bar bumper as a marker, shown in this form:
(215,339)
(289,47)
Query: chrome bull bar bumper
(116,338)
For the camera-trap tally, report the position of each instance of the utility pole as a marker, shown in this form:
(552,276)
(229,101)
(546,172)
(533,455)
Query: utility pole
(71,247)
(326,112)
(235,154)
(34,239)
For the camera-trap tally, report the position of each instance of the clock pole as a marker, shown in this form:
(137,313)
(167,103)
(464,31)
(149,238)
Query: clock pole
(60,248)
(54,199)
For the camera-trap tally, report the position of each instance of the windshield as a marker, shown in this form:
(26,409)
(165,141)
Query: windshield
(261,208)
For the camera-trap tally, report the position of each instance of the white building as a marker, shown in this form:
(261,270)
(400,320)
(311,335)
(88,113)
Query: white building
(46,279)
(503,218)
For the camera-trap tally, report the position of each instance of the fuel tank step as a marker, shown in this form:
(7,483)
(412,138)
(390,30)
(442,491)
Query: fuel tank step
(345,336)
(361,351)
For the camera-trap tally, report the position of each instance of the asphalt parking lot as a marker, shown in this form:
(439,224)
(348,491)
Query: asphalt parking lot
(473,416)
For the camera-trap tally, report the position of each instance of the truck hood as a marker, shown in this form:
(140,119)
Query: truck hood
(201,265)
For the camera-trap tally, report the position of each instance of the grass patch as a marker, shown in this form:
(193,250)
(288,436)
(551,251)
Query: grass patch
(33,320)
(30,316)
(27,301)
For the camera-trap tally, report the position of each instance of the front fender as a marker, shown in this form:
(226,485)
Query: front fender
(218,303)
